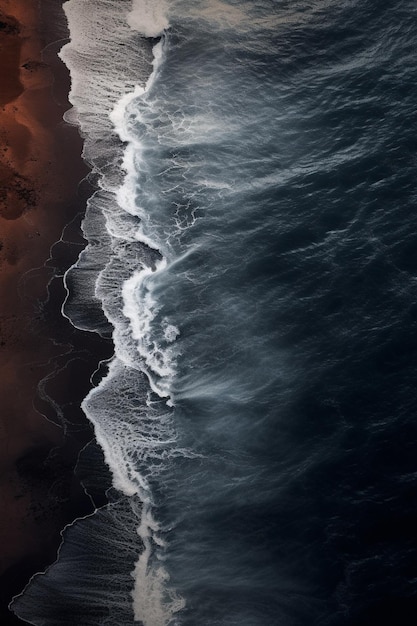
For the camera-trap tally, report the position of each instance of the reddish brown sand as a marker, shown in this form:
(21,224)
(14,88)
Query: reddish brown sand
(40,167)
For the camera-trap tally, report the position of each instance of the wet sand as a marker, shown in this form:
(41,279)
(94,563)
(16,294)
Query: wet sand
(40,169)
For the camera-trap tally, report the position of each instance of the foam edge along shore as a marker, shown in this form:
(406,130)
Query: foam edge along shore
(130,407)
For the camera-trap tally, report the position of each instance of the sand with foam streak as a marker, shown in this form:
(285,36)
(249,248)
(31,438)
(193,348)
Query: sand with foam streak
(40,168)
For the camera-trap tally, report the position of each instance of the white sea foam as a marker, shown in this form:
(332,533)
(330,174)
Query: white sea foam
(141,308)
(112,69)
(154,603)
(149,17)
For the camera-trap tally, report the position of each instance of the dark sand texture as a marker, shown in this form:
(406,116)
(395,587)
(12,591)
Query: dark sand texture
(40,169)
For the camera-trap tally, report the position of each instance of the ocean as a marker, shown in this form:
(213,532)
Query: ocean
(252,251)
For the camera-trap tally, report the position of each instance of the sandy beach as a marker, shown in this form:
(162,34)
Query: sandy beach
(40,168)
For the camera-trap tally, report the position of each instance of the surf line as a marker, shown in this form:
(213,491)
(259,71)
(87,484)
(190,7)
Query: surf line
(154,604)
(131,437)
(139,305)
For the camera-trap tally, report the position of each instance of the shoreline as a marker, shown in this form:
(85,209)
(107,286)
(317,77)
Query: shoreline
(41,168)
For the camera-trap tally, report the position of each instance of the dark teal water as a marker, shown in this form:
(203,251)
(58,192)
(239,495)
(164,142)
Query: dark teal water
(296,305)
(273,166)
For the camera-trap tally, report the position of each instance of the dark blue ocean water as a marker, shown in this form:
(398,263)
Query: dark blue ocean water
(273,168)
